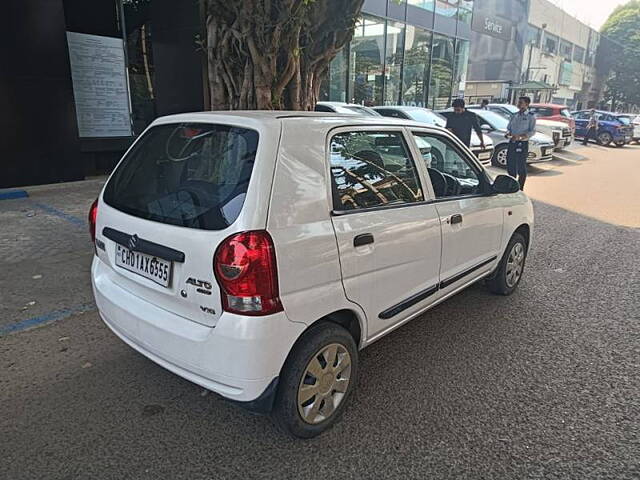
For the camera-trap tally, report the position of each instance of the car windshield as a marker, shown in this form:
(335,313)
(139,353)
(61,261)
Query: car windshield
(190,174)
(494,120)
(426,116)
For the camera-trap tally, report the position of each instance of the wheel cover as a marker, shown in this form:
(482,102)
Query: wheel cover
(605,137)
(501,157)
(324,383)
(515,265)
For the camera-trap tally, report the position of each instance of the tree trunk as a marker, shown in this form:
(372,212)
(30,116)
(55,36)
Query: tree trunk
(273,54)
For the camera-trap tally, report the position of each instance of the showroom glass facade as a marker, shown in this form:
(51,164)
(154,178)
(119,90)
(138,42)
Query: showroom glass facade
(411,53)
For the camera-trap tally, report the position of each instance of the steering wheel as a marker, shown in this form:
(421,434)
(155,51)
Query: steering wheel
(438,181)
(453,186)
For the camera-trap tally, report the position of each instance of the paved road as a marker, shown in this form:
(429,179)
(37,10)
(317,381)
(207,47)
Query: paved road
(544,384)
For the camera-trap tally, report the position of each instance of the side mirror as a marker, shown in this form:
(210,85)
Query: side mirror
(505,184)
(486,128)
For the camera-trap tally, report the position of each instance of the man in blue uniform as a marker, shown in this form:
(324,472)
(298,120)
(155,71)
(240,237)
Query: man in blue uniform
(521,128)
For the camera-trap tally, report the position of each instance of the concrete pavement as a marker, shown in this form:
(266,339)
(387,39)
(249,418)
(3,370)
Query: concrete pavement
(543,384)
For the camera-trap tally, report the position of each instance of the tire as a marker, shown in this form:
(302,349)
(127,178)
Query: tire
(620,144)
(502,283)
(499,158)
(605,139)
(314,347)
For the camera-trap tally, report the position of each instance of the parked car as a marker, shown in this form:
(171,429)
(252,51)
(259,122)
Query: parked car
(540,146)
(561,134)
(346,108)
(611,129)
(634,121)
(555,112)
(255,253)
(429,117)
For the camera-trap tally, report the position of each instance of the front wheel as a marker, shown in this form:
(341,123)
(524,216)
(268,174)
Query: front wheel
(605,139)
(316,381)
(511,267)
(499,158)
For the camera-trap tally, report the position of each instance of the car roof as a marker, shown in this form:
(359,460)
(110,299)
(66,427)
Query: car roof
(548,105)
(400,107)
(341,104)
(273,118)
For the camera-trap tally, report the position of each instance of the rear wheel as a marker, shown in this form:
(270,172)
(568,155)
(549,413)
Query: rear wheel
(499,158)
(605,139)
(316,381)
(511,267)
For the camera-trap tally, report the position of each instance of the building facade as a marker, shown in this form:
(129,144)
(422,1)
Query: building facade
(539,50)
(411,52)
(561,52)
(87,77)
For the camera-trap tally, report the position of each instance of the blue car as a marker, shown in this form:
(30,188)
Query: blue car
(611,128)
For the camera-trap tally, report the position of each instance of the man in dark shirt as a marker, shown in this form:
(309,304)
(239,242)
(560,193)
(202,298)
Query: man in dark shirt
(461,123)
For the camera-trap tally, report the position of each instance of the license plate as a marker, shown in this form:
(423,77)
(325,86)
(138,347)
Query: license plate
(484,155)
(148,266)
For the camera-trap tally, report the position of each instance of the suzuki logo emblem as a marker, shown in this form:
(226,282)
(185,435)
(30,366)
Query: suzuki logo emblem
(133,242)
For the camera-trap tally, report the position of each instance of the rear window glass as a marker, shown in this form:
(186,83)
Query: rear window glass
(624,120)
(191,175)
(372,169)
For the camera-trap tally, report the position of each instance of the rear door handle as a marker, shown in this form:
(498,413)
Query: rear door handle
(457,218)
(363,239)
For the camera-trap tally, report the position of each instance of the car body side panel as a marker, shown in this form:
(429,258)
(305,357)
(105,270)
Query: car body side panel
(300,224)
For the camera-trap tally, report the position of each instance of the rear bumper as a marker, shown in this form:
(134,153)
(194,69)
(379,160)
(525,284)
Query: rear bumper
(239,358)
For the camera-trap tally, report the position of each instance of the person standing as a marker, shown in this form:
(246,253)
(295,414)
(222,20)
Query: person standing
(592,128)
(484,105)
(462,122)
(521,128)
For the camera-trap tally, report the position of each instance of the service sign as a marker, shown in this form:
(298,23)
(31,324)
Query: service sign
(490,24)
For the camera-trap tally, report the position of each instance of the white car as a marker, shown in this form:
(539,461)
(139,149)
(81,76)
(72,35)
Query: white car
(255,253)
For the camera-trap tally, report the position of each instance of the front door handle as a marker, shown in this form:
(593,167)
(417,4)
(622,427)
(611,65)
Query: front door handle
(363,239)
(457,218)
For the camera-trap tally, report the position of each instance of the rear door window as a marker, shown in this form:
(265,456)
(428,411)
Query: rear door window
(372,169)
(191,174)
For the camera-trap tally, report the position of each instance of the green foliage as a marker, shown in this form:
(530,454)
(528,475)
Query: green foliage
(622,32)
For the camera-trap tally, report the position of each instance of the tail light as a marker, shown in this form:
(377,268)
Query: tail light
(93,217)
(246,270)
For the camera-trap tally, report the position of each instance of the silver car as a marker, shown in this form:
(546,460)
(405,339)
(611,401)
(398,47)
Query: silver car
(540,146)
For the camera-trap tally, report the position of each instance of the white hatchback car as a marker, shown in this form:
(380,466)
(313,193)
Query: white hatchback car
(254,253)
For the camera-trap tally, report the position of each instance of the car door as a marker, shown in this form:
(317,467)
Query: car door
(388,235)
(471,216)
(582,120)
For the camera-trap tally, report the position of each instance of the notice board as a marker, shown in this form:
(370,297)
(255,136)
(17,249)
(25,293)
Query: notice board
(100,90)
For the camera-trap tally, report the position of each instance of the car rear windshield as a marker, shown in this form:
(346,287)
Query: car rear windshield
(624,120)
(190,174)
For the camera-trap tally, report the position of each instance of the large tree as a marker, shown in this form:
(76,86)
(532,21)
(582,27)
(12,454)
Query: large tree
(620,54)
(272,54)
